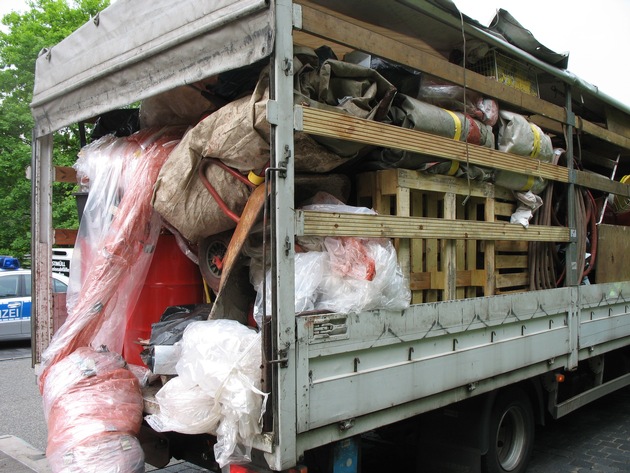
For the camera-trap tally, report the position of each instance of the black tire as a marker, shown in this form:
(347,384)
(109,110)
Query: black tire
(211,252)
(510,434)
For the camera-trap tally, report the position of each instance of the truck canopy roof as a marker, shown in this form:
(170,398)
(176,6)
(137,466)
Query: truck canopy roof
(135,49)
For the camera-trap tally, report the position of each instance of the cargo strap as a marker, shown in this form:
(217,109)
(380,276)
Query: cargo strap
(536,150)
(458,125)
(454,168)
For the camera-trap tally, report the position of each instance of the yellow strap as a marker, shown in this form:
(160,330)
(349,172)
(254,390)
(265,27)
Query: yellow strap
(536,150)
(255,178)
(454,168)
(625,179)
(458,124)
(528,186)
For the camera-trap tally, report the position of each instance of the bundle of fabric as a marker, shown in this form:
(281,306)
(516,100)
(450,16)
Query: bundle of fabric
(411,113)
(455,97)
(519,136)
(347,88)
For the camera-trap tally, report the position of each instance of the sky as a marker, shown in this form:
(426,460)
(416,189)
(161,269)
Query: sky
(596,34)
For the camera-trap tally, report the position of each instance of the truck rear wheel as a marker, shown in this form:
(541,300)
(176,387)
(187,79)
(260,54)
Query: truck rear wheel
(510,434)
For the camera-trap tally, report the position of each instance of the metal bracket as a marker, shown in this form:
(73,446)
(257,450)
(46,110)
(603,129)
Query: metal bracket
(272,112)
(346,424)
(282,361)
(297,16)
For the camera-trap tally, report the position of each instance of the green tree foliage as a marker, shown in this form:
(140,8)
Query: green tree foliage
(45,24)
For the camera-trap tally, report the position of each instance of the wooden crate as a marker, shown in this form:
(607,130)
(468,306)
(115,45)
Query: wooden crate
(445,269)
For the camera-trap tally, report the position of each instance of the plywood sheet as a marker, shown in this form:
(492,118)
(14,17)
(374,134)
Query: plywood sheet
(612,254)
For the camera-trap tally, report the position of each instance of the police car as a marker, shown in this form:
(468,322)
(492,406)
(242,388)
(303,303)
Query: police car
(15,302)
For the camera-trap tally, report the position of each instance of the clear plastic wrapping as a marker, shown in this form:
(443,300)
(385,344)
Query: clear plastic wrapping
(84,363)
(455,97)
(184,408)
(339,274)
(109,452)
(92,403)
(217,390)
(519,136)
(94,408)
(528,203)
(115,240)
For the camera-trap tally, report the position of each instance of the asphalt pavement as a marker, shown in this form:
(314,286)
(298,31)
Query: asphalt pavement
(595,438)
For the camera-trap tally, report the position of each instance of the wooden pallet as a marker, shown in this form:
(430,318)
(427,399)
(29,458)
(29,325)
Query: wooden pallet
(447,269)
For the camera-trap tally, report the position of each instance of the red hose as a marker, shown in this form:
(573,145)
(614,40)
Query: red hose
(203,165)
(594,235)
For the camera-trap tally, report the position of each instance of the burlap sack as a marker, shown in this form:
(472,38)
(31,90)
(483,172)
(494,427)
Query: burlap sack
(182,200)
(239,134)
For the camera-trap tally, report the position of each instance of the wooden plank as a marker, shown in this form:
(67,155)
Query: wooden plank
(599,182)
(397,36)
(449,250)
(511,261)
(365,186)
(593,158)
(388,181)
(442,183)
(503,209)
(417,245)
(512,280)
(64,236)
(377,226)
(382,203)
(432,244)
(602,133)
(617,122)
(612,250)
(301,38)
(420,281)
(489,248)
(337,125)
(511,246)
(403,209)
(547,124)
(65,174)
(469,246)
(435,279)
(340,29)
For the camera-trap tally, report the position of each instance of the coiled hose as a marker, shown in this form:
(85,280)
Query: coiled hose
(546,268)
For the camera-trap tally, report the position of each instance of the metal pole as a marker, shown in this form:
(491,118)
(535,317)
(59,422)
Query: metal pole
(280,115)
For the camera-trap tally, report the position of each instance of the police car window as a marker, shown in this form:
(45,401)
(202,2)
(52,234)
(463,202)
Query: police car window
(58,286)
(27,285)
(9,285)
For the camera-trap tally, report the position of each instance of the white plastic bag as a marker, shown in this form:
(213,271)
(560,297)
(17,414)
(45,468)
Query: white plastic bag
(387,288)
(339,274)
(219,385)
(184,408)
